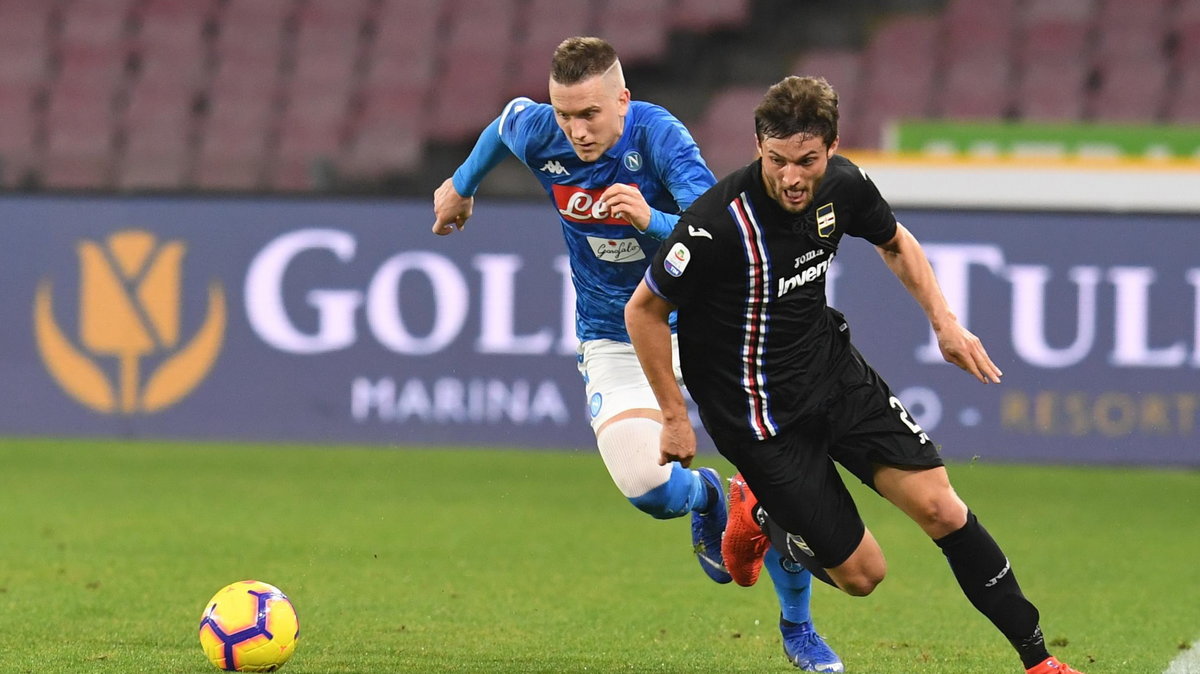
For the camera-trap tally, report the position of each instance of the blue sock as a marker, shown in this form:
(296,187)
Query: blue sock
(682,493)
(793,585)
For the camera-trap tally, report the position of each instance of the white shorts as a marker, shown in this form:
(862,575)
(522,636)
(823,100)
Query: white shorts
(614,379)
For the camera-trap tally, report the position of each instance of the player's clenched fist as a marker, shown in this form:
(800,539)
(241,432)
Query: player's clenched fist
(450,209)
(626,202)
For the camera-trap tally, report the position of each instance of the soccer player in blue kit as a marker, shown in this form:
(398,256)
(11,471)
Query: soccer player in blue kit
(619,172)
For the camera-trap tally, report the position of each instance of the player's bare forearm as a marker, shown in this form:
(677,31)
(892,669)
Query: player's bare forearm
(907,260)
(647,318)
(904,256)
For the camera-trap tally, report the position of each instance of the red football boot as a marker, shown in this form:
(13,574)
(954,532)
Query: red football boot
(744,542)
(1050,665)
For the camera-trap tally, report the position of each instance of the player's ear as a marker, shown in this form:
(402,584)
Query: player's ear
(623,102)
(833,146)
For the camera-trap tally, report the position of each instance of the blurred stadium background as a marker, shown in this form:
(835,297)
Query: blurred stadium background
(233,311)
(385,96)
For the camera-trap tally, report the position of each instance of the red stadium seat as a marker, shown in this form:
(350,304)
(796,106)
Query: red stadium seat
(95,22)
(1130,91)
(18,132)
(1052,91)
(979,30)
(1186,25)
(842,68)
(638,29)
(386,147)
(975,89)
(1131,29)
(404,52)
(546,25)
(709,15)
(233,137)
(470,89)
(899,68)
(327,43)
(725,133)
(1183,105)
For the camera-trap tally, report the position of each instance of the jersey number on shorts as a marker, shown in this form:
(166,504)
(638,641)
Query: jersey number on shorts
(904,416)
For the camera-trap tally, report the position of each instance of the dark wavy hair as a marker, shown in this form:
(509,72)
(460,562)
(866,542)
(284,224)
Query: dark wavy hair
(806,105)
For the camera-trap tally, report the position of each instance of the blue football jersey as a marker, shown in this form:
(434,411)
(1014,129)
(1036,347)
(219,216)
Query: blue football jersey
(608,255)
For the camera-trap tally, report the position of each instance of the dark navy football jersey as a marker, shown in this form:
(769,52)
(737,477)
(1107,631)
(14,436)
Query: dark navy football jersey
(756,337)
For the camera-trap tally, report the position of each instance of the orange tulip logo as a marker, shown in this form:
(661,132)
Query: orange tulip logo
(129,357)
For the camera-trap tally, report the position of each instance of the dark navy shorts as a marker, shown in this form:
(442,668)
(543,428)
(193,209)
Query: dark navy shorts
(861,425)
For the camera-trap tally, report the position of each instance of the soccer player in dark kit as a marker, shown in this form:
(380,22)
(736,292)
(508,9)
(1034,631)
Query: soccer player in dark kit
(781,389)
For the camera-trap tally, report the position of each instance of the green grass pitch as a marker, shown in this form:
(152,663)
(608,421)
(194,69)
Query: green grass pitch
(520,561)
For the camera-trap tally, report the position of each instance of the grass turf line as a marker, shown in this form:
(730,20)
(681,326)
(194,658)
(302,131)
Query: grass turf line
(520,561)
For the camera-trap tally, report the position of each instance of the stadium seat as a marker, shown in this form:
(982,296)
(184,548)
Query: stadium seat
(158,130)
(546,25)
(471,83)
(79,143)
(1129,91)
(976,89)
(978,31)
(94,22)
(842,68)
(898,76)
(18,133)
(1186,33)
(1052,91)
(234,133)
(170,39)
(1183,104)
(327,45)
(1131,29)
(638,29)
(388,136)
(252,31)
(703,16)
(1054,31)
(404,51)
(725,132)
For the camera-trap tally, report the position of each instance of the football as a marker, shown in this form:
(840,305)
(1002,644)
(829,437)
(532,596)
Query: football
(249,626)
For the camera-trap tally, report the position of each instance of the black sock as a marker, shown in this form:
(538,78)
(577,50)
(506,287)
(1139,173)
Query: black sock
(986,578)
(789,548)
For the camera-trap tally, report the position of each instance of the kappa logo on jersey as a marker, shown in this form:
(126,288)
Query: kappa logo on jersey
(584,206)
(677,259)
(632,161)
(826,220)
(616,250)
(555,168)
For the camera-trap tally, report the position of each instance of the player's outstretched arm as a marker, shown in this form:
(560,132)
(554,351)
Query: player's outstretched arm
(907,260)
(647,320)
(450,209)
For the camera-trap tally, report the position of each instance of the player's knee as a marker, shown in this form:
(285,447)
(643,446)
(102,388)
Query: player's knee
(940,515)
(858,581)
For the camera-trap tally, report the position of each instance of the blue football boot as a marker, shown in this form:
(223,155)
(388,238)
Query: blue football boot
(708,526)
(806,649)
